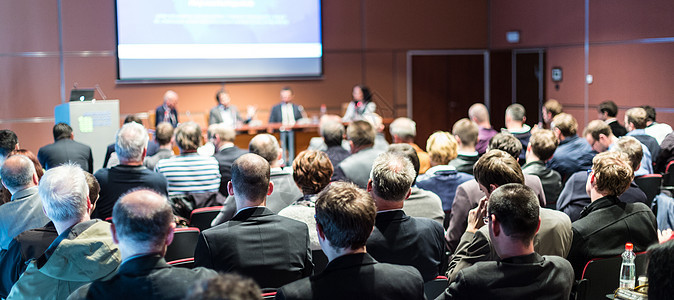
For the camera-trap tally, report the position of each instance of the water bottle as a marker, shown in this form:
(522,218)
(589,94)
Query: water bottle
(627,269)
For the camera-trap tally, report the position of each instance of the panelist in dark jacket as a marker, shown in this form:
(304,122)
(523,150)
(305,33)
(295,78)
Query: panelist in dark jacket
(142,226)
(167,111)
(256,242)
(345,216)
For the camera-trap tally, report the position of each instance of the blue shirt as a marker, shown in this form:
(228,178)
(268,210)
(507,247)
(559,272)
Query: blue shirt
(572,155)
(443,181)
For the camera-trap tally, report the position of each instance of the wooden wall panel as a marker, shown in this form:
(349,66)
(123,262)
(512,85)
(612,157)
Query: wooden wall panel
(631,19)
(28,25)
(29,87)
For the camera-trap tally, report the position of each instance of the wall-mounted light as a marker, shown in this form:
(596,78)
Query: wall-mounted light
(513,36)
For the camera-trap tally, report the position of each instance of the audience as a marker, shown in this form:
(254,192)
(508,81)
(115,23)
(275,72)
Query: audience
(608,223)
(660,281)
(468,194)
(608,111)
(657,130)
(479,114)
(465,132)
(515,116)
(398,238)
(542,145)
(636,120)
(345,217)
(492,170)
(225,152)
(24,211)
(131,147)
(550,109)
(142,227)
(420,203)
(332,140)
(312,171)
(256,242)
(404,130)
(225,287)
(189,172)
(600,138)
(65,149)
(84,251)
(285,189)
(163,136)
(573,153)
(442,178)
(521,273)
(356,168)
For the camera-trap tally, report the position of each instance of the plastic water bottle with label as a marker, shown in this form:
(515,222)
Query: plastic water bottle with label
(627,269)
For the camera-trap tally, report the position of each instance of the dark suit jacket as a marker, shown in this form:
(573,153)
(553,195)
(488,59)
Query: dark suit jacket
(403,240)
(521,277)
(159,116)
(357,276)
(144,277)
(271,249)
(276,115)
(226,158)
(617,129)
(63,151)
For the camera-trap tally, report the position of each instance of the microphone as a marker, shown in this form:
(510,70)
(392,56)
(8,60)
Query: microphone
(100,92)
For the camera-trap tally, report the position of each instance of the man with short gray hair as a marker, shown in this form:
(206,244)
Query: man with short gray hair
(395,234)
(404,130)
(142,227)
(131,148)
(83,251)
(24,211)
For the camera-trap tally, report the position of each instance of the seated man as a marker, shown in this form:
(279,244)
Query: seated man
(285,189)
(513,220)
(600,138)
(655,129)
(420,203)
(468,194)
(574,196)
(225,152)
(332,139)
(636,121)
(398,238)
(479,114)
(162,135)
(608,111)
(356,168)
(24,211)
(271,249)
(142,226)
(607,223)
(541,147)
(515,116)
(465,132)
(345,216)
(83,251)
(404,130)
(65,149)
(573,153)
(494,169)
(131,147)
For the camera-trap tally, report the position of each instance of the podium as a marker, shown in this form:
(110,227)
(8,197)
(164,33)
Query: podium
(95,123)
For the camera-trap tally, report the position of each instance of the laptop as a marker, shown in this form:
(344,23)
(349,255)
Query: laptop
(81,94)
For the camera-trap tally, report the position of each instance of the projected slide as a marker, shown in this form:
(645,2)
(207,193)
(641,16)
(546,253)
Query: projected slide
(218,39)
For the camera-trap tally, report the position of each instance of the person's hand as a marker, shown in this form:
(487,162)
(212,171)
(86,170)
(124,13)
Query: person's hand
(476,215)
(251,110)
(664,235)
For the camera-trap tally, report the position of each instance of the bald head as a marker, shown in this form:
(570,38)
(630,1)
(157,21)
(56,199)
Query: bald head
(143,218)
(18,173)
(478,113)
(250,179)
(171,98)
(265,145)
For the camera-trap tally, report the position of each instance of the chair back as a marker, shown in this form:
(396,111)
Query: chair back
(183,245)
(268,295)
(650,184)
(435,287)
(601,276)
(668,181)
(183,263)
(202,217)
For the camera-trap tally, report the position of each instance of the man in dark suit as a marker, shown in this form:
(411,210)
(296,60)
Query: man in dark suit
(143,228)
(225,152)
(271,249)
(398,238)
(608,111)
(345,216)
(167,111)
(286,112)
(65,149)
(513,219)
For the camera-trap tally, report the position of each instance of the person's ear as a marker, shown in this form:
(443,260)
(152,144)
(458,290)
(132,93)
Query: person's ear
(113,232)
(271,188)
(369,185)
(495,225)
(409,193)
(230,188)
(319,231)
(171,233)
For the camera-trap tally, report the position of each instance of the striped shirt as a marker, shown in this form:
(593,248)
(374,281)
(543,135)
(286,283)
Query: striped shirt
(191,173)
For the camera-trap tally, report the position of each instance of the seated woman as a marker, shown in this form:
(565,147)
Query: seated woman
(442,179)
(361,106)
(312,171)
